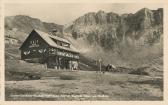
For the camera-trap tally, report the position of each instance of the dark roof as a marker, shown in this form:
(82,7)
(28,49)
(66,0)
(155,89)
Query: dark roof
(48,39)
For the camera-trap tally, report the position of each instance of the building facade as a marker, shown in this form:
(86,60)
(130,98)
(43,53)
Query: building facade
(54,51)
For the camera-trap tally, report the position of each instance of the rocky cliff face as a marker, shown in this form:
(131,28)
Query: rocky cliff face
(110,29)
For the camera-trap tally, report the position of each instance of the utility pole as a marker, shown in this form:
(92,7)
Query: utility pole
(100,60)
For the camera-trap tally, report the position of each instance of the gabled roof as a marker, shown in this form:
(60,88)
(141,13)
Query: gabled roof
(48,39)
(52,36)
(59,38)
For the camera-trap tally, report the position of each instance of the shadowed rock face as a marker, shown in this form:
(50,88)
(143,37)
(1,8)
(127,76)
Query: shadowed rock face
(109,29)
(98,18)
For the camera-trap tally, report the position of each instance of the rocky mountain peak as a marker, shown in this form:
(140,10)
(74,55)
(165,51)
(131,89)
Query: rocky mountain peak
(100,11)
(110,29)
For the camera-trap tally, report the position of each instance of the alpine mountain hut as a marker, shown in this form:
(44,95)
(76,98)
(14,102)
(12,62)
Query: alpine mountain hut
(49,49)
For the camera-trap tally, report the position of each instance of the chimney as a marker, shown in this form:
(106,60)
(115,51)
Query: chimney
(54,32)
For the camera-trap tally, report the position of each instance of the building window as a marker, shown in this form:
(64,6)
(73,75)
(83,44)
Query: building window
(66,45)
(34,43)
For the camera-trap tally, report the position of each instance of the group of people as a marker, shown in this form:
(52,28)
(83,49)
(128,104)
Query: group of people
(110,67)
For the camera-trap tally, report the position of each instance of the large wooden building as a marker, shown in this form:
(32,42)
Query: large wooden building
(54,51)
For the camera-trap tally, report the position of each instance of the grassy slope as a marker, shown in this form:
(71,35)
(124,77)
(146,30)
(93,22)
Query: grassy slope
(114,85)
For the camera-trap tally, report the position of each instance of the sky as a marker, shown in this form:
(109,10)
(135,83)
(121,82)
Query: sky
(64,13)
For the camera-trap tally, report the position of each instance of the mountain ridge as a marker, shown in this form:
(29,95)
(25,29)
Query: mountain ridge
(124,38)
(20,20)
(95,25)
